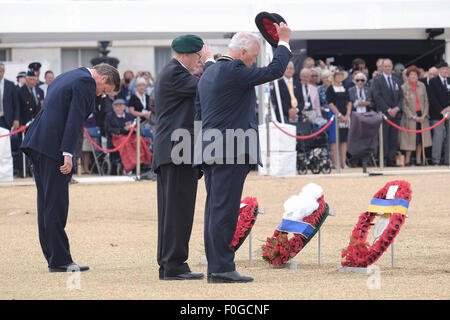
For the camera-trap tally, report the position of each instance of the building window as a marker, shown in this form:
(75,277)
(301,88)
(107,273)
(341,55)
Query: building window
(72,58)
(4,55)
(162,57)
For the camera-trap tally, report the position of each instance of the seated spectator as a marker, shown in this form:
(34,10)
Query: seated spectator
(360,94)
(118,125)
(415,116)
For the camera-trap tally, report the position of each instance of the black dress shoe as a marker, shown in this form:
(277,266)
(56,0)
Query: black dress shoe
(186,276)
(228,277)
(71,267)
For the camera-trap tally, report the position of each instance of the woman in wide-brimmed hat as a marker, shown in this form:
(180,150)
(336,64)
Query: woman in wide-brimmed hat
(341,105)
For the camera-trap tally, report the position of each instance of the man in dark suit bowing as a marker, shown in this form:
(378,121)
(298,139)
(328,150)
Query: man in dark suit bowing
(225,104)
(51,142)
(175,91)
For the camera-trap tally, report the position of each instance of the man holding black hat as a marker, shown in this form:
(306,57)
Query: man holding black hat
(226,101)
(175,91)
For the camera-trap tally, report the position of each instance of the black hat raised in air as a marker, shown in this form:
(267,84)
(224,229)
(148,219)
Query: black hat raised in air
(264,21)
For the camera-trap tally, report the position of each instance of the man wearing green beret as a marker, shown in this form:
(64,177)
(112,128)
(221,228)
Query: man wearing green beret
(175,91)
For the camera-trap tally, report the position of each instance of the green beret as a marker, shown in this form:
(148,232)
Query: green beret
(187,43)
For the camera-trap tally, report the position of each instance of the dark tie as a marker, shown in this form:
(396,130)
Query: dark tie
(445,84)
(390,85)
(360,94)
(307,94)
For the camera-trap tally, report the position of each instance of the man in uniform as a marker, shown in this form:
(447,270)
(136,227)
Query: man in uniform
(175,91)
(226,100)
(30,100)
(50,143)
(36,68)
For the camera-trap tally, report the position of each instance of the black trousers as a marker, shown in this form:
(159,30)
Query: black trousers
(52,206)
(224,185)
(177,191)
(390,140)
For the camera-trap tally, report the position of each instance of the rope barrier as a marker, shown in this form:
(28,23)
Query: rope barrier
(120,146)
(415,131)
(308,136)
(22,128)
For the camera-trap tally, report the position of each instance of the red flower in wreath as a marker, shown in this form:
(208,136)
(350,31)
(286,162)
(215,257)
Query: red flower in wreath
(359,253)
(247,219)
(279,249)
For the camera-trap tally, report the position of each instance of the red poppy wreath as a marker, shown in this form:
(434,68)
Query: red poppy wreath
(247,219)
(392,201)
(304,215)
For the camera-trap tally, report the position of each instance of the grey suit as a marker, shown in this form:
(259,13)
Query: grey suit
(354,97)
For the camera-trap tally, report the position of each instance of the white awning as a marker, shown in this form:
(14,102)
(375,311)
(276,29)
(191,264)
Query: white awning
(65,20)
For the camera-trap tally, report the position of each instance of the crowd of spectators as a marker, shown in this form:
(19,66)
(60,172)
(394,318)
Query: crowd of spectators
(411,97)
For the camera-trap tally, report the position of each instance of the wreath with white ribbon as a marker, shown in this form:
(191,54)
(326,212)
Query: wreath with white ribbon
(304,215)
(392,202)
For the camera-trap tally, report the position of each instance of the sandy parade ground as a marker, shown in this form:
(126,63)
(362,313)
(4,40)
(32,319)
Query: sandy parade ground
(112,227)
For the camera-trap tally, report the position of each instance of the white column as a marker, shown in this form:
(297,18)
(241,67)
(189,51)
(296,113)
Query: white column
(447,50)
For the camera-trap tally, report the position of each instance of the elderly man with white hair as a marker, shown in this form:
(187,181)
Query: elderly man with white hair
(226,100)
(290,96)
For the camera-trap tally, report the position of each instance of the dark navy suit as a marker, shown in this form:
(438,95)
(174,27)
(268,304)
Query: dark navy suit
(226,100)
(56,128)
(175,92)
(11,109)
(285,98)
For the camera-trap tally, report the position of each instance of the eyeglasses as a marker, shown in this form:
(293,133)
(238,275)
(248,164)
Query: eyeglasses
(360,80)
(198,54)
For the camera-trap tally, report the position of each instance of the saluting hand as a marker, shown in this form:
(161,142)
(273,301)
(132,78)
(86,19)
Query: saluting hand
(206,54)
(66,168)
(284,32)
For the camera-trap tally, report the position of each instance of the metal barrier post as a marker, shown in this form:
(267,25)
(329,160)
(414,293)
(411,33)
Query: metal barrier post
(381,151)
(448,138)
(338,153)
(24,160)
(138,148)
